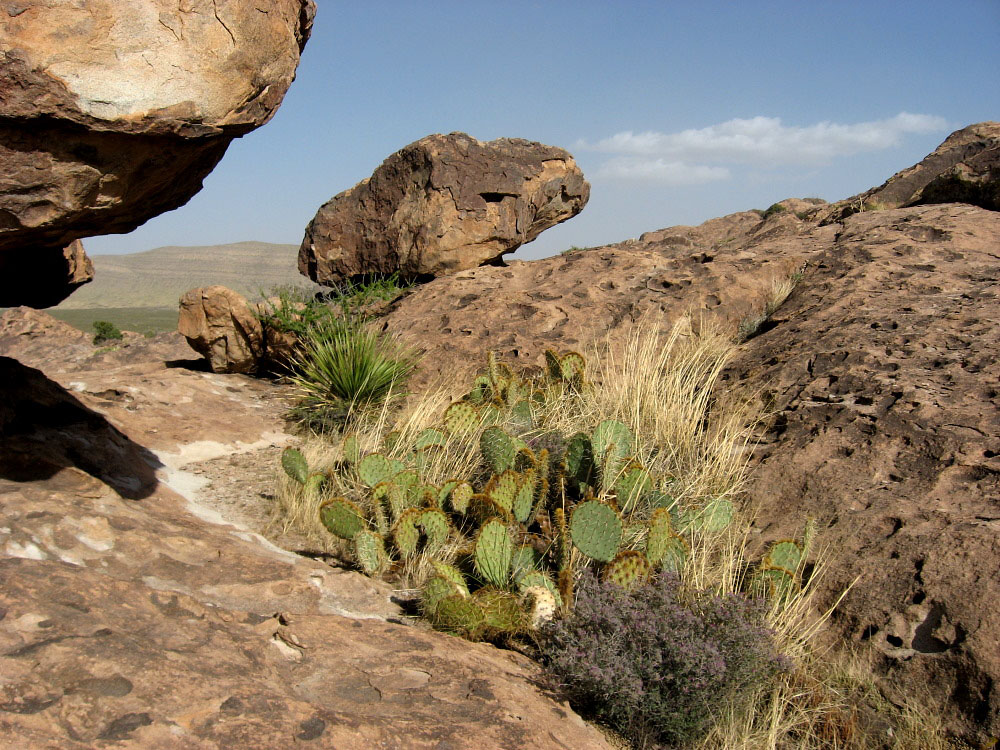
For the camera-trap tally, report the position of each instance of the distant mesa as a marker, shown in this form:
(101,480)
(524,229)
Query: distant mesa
(96,139)
(443,204)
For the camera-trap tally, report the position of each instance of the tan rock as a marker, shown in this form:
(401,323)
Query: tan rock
(115,110)
(221,325)
(44,278)
(443,204)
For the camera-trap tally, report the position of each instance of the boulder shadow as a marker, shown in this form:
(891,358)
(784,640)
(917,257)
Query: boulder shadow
(45,429)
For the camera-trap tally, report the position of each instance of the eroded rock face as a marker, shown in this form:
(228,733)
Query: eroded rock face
(881,366)
(965,168)
(114,111)
(45,278)
(221,325)
(443,204)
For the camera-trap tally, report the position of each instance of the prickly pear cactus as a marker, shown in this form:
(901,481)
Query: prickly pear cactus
(503,489)
(596,530)
(494,553)
(351,448)
(538,579)
(498,449)
(436,528)
(628,570)
(785,554)
(294,464)
(369,551)
(375,468)
(632,484)
(524,497)
(430,437)
(341,517)
(579,459)
(460,615)
(461,418)
(406,534)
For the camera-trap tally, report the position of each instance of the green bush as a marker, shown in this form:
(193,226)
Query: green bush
(774,208)
(654,666)
(106,331)
(346,366)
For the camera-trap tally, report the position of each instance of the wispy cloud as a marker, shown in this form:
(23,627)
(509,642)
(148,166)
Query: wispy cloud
(678,158)
(662,171)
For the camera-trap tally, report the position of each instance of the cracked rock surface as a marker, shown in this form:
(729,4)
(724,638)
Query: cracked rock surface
(114,111)
(440,205)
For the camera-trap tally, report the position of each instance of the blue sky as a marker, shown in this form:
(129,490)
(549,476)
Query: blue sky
(677,112)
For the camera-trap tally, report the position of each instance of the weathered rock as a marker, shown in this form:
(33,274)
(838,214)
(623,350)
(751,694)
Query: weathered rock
(221,325)
(882,370)
(443,204)
(144,623)
(113,112)
(965,168)
(881,366)
(44,278)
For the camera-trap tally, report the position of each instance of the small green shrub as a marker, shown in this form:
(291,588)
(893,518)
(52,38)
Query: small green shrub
(774,208)
(346,366)
(106,331)
(653,666)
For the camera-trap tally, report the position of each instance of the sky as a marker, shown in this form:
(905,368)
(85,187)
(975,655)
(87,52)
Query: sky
(677,112)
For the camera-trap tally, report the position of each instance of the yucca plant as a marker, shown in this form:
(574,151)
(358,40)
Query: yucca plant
(346,366)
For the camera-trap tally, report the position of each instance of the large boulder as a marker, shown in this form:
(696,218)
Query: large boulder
(114,111)
(222,326)
(44,278)
(443,204)
(965,168)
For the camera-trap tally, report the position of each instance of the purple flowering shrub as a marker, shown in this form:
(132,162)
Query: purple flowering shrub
(654,667)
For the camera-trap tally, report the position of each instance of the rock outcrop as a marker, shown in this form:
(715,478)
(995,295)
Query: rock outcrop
(136,616)
(963,169)
(881,369)
(221,325)
(44,278)
(113,112)
(440,205)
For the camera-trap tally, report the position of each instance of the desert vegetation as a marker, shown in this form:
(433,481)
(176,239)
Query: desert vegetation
(590,516)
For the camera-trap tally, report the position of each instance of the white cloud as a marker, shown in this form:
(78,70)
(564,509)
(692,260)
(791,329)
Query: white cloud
(661,171)
(674,157)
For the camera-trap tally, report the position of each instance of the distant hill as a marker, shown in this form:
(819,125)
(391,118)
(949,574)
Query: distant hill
(157,278)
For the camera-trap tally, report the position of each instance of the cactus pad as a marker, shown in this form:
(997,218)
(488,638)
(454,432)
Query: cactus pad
(571,367)
(350,448)
(294,464)
(716,515)
(536,579)
(503,489)
(553,367)
(774,583)
(369,551)
(632,484)
(458,614)
(341,517)
(596,530)
(452,573)
(542,605)
(460,497)
(435,527)
(579,460)
(461,418)
(498,449)
(628,570)
(406,533)
(374,468)
(785,554)
(494,553)
(502,611)
(524,497)
(659,538)
(435,589)
(313,484)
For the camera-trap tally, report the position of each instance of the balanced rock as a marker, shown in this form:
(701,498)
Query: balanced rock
(965,168)
(113,112)
(43,278)
(443,204)
(221,325)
